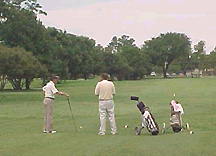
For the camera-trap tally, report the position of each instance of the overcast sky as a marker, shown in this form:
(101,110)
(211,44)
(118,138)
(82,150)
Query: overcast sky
(140,19)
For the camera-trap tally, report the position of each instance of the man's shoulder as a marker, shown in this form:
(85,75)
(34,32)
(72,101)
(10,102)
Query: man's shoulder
(50,84)
(106,81)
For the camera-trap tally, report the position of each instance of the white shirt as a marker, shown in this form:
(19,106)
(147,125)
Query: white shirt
(50,90)
(105,90)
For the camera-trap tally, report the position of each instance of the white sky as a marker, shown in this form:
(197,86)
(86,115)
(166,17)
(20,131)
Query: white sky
(140,19)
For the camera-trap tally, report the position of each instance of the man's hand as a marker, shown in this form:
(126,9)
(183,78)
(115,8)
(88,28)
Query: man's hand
(62,93)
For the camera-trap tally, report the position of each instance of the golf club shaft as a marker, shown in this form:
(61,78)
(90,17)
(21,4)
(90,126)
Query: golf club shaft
(74,122)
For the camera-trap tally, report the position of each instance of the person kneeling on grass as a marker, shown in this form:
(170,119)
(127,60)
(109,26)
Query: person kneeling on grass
(49,95)
(105,90)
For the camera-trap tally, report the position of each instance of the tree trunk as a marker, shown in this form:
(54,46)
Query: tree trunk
(3,81)
(28,83)
(16,84)
(165,71)
(85,76)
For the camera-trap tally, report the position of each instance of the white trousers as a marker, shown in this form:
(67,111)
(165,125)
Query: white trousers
(107,108)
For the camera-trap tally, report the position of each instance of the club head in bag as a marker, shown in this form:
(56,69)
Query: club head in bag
(134,98)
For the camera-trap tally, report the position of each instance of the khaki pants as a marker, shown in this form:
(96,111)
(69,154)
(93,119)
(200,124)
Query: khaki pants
(107,107)
(48,113)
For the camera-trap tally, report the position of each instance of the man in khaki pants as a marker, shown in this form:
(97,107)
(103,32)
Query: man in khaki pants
(49,94)
(105,90)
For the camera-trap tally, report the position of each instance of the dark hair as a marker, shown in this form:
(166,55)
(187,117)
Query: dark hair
(54,77)
(104,76)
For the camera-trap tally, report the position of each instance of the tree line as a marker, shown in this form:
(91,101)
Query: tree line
(30,50)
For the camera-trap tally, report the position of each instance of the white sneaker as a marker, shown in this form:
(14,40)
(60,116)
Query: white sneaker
(45,131)
(53,131)
(101,133)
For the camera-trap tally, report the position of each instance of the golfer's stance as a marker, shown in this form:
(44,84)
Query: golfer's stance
(105,90)
(49,94)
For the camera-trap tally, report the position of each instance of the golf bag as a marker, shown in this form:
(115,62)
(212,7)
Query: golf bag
(176,112)
(147,118)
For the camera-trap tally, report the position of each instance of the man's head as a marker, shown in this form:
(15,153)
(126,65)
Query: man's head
(104,76)
(54,79)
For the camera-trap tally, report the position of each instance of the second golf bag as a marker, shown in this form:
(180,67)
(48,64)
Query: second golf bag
(176,113)
(147,118)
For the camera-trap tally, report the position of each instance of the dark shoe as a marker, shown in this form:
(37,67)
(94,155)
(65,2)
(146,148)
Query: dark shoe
(101,133)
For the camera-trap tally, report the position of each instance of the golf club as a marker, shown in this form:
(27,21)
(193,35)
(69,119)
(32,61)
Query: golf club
(74,121)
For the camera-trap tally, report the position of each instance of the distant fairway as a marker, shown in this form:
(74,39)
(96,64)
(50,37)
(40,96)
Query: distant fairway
(21,120)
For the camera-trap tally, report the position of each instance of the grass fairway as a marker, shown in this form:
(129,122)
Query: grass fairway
(21,119)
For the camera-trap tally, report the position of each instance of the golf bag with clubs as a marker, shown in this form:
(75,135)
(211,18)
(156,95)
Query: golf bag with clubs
(176,112)
(147,118)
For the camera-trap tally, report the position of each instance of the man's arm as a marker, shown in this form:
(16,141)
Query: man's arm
(62,93)
(97,89)
(113,90)
(55,91)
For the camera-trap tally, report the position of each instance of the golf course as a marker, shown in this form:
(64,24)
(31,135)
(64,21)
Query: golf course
(21,117)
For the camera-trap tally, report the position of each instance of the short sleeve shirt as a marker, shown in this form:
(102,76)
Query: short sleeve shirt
(50,90)
(105,90)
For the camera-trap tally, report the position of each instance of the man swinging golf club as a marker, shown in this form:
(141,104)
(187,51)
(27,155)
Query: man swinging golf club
(49,94)
(105,90)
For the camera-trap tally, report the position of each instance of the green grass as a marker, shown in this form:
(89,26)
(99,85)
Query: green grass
(21,120)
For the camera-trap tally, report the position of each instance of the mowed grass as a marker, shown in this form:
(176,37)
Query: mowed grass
(21,120)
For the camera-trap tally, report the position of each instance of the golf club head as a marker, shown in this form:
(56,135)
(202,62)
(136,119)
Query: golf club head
(135,98)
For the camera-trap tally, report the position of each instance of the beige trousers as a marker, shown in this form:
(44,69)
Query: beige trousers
(107,108)
(48,113)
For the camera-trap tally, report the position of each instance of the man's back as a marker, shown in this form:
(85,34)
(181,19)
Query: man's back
(105,89)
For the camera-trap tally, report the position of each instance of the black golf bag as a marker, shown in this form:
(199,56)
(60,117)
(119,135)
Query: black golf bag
(147,118)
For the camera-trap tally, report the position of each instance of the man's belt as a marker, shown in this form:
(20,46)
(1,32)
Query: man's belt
(105,99)
(50,98)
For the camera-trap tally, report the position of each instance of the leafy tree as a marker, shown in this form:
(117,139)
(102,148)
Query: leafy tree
(20,67)
(116,65)
(24,30)
(213,51)
(138,62)
(9,8)
(98,56)
(166,48)
(117,44)
(3,75)
(200,48)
